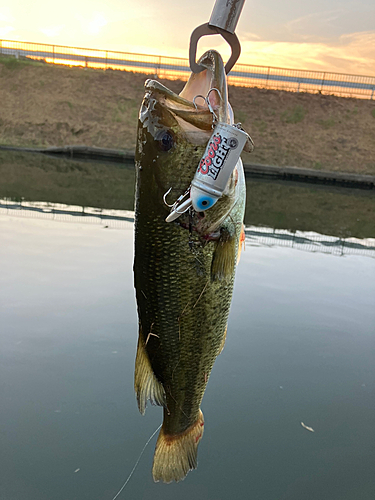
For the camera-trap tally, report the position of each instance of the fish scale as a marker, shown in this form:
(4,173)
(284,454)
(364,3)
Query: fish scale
(172,289)
(183,270)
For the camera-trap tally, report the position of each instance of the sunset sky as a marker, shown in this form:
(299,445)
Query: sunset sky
(334,35)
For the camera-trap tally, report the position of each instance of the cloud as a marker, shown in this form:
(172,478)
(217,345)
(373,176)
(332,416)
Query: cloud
(93,24)
(97,23)
(249,36)
(6,16)
(309,24)
(352,53)
(52,31)
(5,30)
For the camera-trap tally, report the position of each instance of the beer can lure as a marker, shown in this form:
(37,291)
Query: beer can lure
(218,162)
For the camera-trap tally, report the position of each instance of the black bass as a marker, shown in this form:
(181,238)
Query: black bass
(183,270)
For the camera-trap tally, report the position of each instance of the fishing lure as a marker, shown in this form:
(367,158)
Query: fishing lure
(214,169)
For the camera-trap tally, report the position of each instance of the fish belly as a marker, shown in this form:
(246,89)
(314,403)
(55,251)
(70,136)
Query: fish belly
(183,315)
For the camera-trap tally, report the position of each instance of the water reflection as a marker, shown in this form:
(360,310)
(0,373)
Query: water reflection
(255,236)
(340,212)
(300,345)
(299,348)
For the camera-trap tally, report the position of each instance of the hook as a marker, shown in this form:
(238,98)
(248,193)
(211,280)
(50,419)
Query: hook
(209,104)
(217,90)
(199,95)
(165,196)
(207,101)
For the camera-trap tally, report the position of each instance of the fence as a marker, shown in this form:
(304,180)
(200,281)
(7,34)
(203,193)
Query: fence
(173,67)
(255,236)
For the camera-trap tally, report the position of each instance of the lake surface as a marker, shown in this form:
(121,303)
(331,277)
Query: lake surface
(341,212)
(300,348)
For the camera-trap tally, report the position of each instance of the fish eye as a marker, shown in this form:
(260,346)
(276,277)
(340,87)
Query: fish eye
(166,140)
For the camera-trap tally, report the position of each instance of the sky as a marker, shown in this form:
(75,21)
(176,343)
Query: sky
(334,35)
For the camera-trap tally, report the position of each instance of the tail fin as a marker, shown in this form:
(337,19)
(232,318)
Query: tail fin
(175,455)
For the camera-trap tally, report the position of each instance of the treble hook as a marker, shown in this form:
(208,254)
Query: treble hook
(165,198)
(207,101)
(199,95)
(209,104)
(180,206)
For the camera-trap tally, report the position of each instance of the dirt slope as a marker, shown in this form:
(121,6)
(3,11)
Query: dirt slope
(47,105)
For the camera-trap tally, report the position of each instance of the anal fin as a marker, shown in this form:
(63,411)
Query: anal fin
(176,454)
(146,385)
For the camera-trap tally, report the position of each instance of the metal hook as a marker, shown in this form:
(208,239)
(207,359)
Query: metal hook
(179,207)
(207,101)
(165,196)
(217,90)
(209,104)
(199,95)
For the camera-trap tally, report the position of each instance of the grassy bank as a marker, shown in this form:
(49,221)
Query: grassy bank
(47,105)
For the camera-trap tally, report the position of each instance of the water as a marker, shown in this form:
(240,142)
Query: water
(327,210)
(300,347)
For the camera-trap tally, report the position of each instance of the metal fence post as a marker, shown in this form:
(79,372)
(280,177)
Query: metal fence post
(322,82)
(158,66)
(284,78)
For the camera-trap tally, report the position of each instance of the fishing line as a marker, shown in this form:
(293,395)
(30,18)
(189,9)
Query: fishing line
(136,463)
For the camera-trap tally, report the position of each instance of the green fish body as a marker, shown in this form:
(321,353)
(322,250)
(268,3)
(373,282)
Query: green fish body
(183,270)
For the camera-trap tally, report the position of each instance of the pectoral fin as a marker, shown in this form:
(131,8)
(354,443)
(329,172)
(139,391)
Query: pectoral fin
(224,258)
(146,385)
(241,243)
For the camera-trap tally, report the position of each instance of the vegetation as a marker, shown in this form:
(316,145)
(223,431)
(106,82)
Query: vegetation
(51,105)
(14,63)
(294,115)
(326,124)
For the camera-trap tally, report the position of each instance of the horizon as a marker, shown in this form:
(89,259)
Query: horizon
(102,49)
(340,39)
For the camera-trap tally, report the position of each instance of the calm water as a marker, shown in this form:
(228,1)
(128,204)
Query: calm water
(300,347)
(295,206)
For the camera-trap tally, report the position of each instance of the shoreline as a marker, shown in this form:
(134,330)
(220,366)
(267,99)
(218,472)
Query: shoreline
(281,204)
(287,173)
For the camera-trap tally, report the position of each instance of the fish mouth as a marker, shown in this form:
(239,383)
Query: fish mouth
(212,77)
(190,107)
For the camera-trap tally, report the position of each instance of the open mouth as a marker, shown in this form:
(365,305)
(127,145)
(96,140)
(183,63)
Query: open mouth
(199,94)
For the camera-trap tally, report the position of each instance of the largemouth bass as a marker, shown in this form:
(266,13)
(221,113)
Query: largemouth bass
(183,270)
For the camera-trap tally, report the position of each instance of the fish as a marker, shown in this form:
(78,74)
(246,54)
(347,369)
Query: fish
(183,270)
